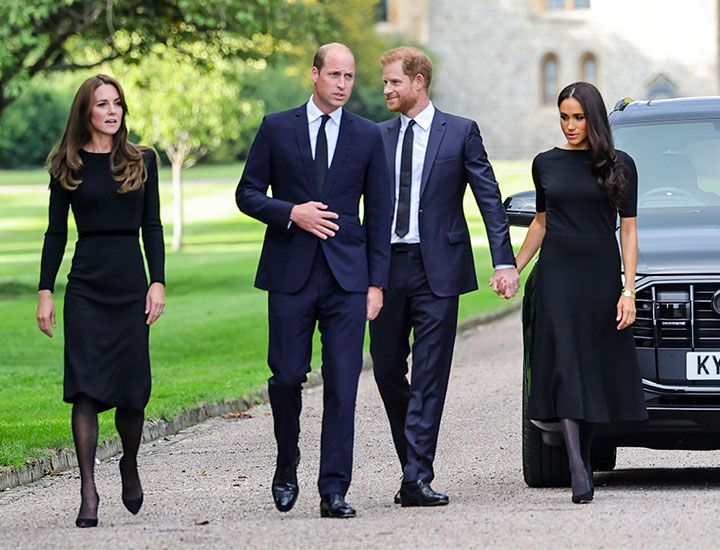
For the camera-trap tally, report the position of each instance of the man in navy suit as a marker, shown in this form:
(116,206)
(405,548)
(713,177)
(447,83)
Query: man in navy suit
(432,157)
(319,263)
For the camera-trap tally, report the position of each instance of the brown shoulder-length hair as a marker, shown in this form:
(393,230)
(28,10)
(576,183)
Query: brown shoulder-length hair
(605,166)
(126,159)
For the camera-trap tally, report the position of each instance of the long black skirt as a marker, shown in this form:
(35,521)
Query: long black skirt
(582,367)
(106,338)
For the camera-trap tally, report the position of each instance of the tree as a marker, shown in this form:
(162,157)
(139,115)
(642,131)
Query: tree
(185,112)
(41,36)
(32,125)
(351,22)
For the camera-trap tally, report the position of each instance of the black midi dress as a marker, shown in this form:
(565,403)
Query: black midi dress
(106,337)
(582,367)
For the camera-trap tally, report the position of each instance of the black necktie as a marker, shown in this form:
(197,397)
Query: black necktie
(402,223)
(321,154)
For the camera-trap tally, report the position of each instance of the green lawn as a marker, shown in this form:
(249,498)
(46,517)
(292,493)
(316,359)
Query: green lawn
(211,343)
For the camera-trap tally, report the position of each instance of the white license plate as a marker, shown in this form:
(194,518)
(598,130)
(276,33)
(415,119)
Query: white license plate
(702,365)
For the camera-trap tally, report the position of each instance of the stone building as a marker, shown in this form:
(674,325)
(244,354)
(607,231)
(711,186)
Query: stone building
(503,62)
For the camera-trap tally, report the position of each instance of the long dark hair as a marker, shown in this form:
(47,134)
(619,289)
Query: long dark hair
(605,167)
(126,160)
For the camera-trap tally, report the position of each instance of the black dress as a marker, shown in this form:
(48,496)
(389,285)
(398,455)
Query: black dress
(582,367)
(106,338)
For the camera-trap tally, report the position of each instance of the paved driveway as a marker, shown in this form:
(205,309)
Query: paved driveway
(209,486)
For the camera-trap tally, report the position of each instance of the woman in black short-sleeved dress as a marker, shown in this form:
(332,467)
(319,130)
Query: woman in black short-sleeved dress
(584,366)
(112,187)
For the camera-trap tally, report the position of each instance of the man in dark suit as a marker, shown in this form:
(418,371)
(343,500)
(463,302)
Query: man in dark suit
(319,263)
(432,157)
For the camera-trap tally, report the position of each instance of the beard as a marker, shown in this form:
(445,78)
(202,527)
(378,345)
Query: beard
(403,103)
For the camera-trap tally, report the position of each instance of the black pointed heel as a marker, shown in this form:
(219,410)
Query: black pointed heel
(133,505)
(88,522)
(584,498)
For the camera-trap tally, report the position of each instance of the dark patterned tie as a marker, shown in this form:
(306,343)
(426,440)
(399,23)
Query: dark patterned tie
(402,225)
(321,154)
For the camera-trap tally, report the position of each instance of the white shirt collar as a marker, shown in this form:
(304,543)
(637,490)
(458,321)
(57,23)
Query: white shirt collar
(313,112)
(423,119)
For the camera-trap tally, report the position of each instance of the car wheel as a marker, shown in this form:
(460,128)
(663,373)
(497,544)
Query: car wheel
(543,465)
(603,457)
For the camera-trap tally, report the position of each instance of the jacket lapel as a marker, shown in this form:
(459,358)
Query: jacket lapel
(392,131)
(302,136)
(437,132)
(347,130)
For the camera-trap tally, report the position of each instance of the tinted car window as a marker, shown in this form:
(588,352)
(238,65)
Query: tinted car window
(678,167)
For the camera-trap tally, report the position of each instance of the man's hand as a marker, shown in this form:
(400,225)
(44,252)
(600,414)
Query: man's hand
(505,282)
(314,217)
(374,302)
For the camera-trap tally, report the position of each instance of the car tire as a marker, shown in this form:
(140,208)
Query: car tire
(604,457)
(543,465)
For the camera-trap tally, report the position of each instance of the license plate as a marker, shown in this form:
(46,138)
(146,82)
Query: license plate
(702,365)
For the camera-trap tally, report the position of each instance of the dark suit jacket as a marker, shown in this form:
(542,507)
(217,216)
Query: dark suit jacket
(281,158)
(455,157)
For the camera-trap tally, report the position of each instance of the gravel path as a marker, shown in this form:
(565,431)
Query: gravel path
(209,486)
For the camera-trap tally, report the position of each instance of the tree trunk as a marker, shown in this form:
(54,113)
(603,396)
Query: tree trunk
(176,162)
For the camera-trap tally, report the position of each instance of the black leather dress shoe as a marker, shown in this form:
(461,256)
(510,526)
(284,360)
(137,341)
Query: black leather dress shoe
(397,499)
(285,487)
(419,493)
(334,506)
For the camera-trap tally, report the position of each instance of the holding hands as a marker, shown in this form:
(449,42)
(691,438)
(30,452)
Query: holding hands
(505,282)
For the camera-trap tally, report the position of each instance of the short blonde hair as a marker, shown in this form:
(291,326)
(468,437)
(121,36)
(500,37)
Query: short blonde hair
(414,62)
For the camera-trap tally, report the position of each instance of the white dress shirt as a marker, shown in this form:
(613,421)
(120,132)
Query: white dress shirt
(421,134)
(332,128)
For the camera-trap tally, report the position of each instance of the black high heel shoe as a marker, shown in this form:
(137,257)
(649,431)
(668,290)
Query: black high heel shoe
(133,505)
(583,498)
(586,496)
(88,522)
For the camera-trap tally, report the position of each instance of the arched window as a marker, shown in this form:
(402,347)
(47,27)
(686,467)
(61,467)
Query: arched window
(589,69)
(549,78)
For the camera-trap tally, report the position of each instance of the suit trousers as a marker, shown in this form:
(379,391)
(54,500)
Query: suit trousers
(414,408)
(340,317)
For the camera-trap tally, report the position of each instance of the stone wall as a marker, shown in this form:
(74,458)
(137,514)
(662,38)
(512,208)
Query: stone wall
(488,56)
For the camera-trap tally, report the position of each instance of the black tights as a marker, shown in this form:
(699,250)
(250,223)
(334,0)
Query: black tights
(578,436)
(129,425)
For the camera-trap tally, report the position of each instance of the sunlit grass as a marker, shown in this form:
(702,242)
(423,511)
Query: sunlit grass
(210,345)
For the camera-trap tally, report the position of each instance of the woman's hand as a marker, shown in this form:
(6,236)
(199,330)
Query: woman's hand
(46,312)
(625,312)
(154,302)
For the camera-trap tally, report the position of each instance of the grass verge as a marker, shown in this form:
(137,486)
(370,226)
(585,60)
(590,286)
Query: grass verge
(211,343)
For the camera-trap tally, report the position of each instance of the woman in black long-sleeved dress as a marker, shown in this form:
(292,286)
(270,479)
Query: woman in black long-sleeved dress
(584,365)
(112,187)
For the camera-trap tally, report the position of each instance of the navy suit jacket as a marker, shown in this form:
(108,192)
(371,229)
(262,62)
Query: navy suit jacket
(281,158)
(455,157)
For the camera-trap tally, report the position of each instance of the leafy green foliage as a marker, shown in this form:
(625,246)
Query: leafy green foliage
(40,36)
(187,111)
(30,127)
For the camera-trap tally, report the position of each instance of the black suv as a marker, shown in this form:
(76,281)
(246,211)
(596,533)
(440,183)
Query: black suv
(676,146)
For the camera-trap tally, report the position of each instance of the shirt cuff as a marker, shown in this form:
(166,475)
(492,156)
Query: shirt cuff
(504,266)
